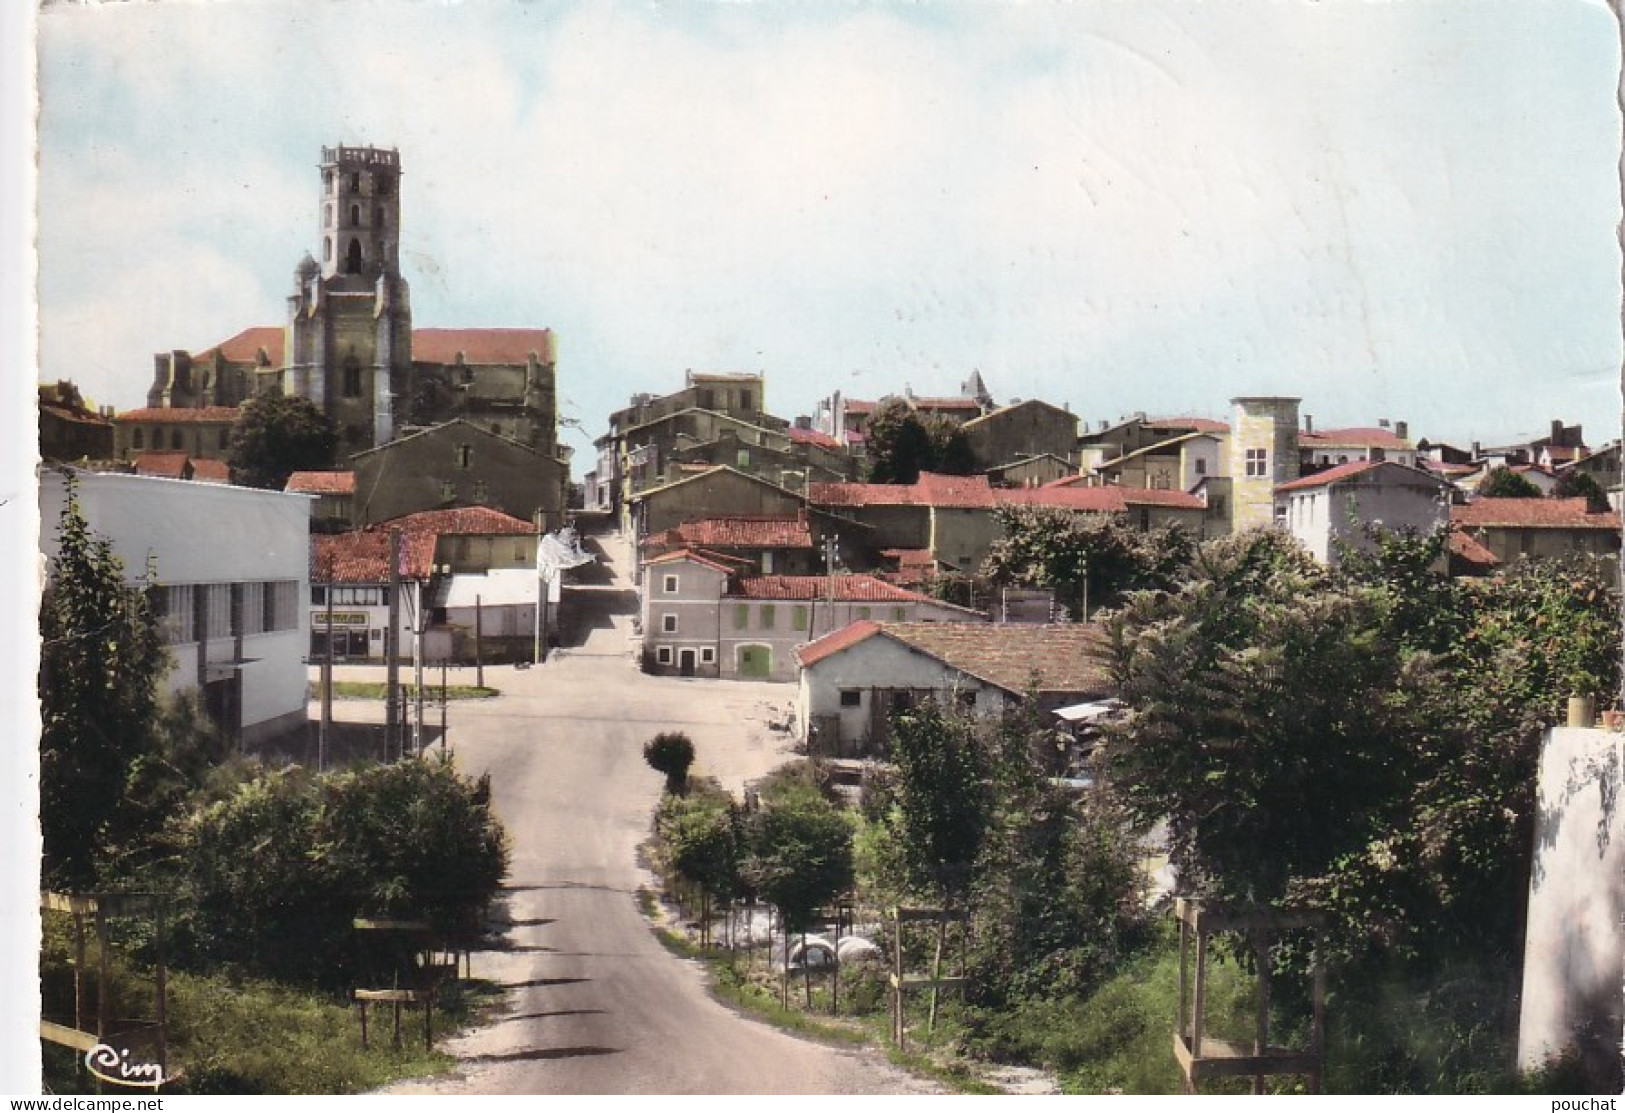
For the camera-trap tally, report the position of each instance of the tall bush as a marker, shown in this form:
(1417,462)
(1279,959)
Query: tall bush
(277,871)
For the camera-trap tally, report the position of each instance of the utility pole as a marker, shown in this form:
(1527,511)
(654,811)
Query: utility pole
(479,657)
(417,663)
(326,726)
(392,648)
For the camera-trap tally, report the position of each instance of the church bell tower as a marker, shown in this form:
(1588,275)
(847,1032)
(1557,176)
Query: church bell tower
(350,317)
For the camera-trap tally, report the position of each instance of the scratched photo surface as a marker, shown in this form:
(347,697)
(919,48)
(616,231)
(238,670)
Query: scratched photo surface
(1403,216)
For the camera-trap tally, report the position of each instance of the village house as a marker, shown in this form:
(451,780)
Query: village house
(69,430)
(1176,464)
(1330,448)
(853,680)
(1109,441)
(335,497)
(229,569)
(707,615)
(1333,509)
(1021,430)
(622,451)
(771,546)
(461,570)
(458,464)
(1538,527)
(719,492)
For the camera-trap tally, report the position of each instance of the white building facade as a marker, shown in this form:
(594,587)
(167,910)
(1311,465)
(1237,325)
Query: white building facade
(231,565)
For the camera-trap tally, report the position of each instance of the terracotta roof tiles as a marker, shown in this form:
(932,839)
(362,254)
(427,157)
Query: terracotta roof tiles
(461,520)
(854,588)
(245,347)
(166,465)
(177,415)
(1535,513)
(322,482)
(481,345)
(362,557)
(1058,658)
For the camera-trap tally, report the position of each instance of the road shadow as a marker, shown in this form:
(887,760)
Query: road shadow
(547,1015)
(538,983)
(546,1053)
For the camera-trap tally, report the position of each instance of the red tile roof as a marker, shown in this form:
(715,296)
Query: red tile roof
(969,405)
(854,406)
(832,643)
(1532,514)
(167,415)
(725,565)
(322,483)
(461,520)
(362,557)
(211,471)
(739,533)
(1110,499)
(169,465)
(481,345)
(1352,438)
(1088,500)
(857,588)
(245,346)
(954,491)
(1059,658)
(812,436)
(1468,548)
(1329,476)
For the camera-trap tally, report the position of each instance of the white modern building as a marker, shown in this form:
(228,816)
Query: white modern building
(232,568)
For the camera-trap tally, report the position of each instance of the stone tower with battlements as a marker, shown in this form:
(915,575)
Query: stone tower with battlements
(349,341)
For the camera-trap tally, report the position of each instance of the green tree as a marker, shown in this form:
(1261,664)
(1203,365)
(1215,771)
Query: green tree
(1504,483)
(671,753)
(277,435)
(950,449)
(1581,485)
(101,657)
(277,871)
(701,846)
(899,444)
(941,800)
(1078,554)
(1268,723)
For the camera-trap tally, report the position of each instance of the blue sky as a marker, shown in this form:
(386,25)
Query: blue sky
(1397,210)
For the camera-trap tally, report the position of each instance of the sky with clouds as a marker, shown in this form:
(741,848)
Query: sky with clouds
(1400,210)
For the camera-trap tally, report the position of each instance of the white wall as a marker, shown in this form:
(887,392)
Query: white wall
(1576,918)
(879,662)
(201,533)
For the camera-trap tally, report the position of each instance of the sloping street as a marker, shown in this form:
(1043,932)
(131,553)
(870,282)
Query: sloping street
(595,1004)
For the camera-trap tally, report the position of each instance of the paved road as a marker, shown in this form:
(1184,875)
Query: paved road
(596,1005)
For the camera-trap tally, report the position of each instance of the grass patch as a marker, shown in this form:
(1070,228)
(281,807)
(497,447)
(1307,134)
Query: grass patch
(369,689)
(238,1035)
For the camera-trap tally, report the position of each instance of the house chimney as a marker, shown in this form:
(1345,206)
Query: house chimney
(1383,423)
(1402,430)
(1308,423)
(1557,432)
(1478,451)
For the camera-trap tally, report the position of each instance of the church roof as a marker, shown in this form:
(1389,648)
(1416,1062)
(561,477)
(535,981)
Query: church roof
(245,347)
(481,345)
(200,414)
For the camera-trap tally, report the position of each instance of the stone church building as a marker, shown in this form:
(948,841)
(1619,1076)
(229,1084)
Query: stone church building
(348,346)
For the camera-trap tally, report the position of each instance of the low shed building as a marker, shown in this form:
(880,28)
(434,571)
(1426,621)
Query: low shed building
(854,680)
